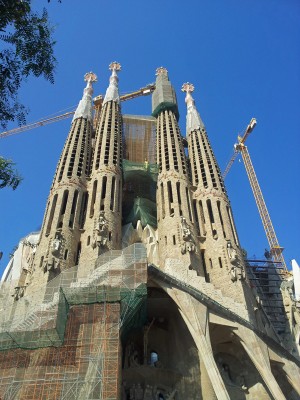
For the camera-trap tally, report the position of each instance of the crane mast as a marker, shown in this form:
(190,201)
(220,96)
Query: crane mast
(275,248)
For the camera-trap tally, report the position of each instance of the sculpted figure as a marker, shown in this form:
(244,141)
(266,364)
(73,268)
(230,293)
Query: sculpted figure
(233,274)
(132,393)
(56,245)
(134,359)
(185,230)
(139,392)
(148,395)
(187,241)
(232,254)
(100,235)
(19,292)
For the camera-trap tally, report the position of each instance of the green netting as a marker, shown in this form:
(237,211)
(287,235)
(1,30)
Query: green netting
(46,334)
(92,294)
(119,277)
(62,315)
(139,193)
(134,169)
(143,210)
(133,309)
(166,106)
(133,314)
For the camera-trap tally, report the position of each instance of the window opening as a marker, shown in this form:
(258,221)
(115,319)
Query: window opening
(170,196)
(83,209)
(206,275)
(66,254)
(188,203)
(93,199)
(162,200)
(211,218)
(51,215)
(197,224)
(112,195)
(221,219)
(63,209)
(73,209)
(231,225)
(220,262)
(103,192)
(179,197)
(78,253)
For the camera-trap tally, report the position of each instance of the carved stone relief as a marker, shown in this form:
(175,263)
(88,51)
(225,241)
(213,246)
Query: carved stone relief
(54,254)
(100,233)
(139,391)
(187,243)
(237,271)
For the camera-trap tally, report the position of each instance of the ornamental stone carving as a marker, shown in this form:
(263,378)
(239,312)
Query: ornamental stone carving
(237,271)
(232,253)
(187,244)
(56,245)
(100,234)
(54,254)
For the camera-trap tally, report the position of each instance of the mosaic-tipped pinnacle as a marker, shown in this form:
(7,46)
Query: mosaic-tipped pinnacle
(115,66)
(188,87)
(90,76)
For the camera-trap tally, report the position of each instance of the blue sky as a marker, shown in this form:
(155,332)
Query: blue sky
(243,58)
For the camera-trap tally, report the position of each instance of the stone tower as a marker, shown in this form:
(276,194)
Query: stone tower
(220,249)
(176,232)
(102,228)
(59,247)
(161,309)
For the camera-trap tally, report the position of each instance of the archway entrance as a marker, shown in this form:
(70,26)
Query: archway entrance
(160,359)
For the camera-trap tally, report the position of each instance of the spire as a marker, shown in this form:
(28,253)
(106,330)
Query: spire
(193,119)
(85,108)
(112,92)
(164,96)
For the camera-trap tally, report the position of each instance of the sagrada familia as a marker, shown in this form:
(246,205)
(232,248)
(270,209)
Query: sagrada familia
(136,287)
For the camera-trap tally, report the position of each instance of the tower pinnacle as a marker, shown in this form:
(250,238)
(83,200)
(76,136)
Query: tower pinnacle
(84,109)
(112,92)
(193,119)
(161,71)
(164,96)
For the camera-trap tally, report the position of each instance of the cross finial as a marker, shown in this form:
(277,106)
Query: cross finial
(161,71)
(115,66)
(188,87)
(90,77)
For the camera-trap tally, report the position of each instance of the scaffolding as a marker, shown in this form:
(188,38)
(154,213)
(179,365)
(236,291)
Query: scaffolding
(266,279)
(68,346)
(139,138)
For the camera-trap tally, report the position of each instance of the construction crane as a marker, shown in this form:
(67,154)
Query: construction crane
(275,248)
(98,101)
